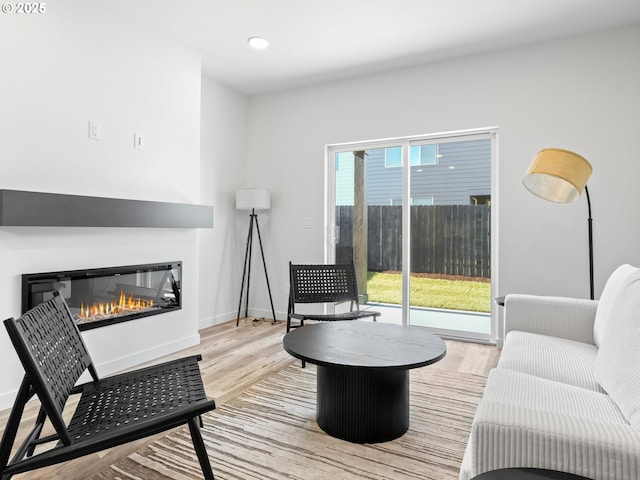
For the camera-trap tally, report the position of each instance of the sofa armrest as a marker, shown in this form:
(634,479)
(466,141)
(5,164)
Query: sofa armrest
(563,317)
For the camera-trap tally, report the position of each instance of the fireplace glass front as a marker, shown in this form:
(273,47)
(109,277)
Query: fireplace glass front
(104,296)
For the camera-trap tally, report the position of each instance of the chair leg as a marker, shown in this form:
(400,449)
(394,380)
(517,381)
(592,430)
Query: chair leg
(201,451)
(13,424)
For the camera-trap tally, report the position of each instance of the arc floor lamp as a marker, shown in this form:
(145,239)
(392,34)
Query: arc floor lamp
(253,199)
(561,176)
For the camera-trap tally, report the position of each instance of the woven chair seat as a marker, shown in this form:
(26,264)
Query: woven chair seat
(334,316)
(138,397)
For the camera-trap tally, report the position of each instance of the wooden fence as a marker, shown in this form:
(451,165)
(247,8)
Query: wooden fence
(445,239)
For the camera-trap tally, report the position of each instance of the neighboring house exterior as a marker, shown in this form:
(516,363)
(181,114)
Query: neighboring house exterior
(455,173)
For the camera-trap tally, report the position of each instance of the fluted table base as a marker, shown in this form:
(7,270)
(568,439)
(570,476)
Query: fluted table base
(363,405)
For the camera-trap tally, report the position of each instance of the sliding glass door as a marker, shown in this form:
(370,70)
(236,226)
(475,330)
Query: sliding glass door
(414,214)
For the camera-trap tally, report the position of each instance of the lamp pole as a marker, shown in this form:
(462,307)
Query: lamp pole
(590,222)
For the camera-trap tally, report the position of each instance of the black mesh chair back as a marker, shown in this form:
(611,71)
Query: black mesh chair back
(332,283)
(53,354)
(110,411)
(324,283)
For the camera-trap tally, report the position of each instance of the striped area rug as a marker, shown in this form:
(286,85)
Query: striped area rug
(270,432)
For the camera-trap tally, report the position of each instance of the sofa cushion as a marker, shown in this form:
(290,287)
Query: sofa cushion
(618,360)
(527,391)
(552,358)
(607,300)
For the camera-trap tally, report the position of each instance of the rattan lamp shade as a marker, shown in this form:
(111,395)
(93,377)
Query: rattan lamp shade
(557,175)
(253,199)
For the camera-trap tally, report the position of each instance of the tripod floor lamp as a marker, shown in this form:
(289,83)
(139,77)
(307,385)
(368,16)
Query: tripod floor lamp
(561,176)
(252,199)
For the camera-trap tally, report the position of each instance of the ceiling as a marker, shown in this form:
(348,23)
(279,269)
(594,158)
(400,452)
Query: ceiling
(313,41)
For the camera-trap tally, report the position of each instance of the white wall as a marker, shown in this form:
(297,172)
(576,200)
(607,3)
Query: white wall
(223,156)
(579,93)
(75,63)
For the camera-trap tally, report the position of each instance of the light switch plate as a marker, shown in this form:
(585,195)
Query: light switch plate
(138,141)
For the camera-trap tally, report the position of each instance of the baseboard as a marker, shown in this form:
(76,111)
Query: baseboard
(225,317)
(266,313)
(216,320)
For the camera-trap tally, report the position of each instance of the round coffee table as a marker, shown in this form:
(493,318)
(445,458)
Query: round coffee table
(363,374)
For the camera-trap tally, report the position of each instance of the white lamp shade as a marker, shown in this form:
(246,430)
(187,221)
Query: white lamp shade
(557,175)
(253,198)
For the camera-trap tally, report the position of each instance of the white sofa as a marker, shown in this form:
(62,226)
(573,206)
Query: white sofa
(565,394)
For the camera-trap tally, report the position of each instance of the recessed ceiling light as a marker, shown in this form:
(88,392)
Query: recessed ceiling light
(258,43)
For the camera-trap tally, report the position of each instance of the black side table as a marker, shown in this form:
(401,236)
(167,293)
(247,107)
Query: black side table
(527,474)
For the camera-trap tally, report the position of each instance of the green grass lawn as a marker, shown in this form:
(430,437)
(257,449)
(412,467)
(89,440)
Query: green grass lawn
(456,293)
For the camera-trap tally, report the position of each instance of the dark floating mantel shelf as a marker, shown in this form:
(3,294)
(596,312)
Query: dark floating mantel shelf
(37,209)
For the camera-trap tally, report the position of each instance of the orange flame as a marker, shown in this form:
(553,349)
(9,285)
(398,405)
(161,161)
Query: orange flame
(123,305)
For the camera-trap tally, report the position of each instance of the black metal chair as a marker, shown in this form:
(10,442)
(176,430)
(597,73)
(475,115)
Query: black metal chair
(324,284)
(110,411)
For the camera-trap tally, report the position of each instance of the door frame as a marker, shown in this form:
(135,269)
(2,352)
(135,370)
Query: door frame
(329,214)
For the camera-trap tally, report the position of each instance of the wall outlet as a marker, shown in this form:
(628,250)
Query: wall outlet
(95,131)
(306,222)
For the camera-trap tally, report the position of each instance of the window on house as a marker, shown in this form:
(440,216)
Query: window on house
(344,178)
(419,155)
(422,201)
(424,155)
(480,199)
(393,157)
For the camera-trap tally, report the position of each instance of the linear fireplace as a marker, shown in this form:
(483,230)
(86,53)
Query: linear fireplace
(104,296)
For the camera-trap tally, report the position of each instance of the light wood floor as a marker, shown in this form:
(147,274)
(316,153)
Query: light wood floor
(233,359)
